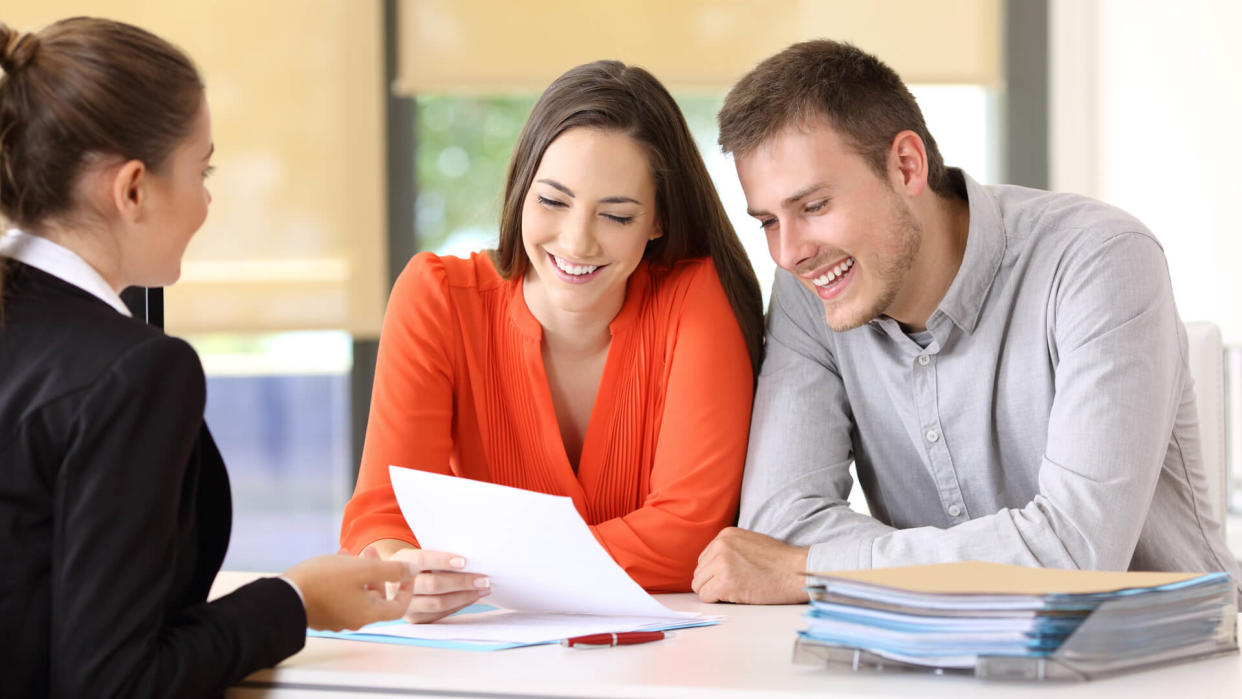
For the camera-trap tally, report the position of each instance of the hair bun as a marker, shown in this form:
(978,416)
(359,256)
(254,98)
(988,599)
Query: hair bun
(16,49)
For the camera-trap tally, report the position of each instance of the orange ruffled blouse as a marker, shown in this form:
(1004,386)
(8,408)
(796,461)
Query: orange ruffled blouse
(460,389)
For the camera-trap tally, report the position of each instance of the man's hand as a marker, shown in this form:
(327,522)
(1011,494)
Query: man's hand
(742,566)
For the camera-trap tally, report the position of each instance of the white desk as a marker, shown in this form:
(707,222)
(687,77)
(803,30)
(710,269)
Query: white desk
(749,655)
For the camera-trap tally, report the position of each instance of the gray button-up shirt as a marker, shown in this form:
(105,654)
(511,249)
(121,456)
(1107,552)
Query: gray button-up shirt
(1049,422)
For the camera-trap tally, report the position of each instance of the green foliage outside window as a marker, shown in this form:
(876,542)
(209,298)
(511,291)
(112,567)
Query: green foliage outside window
(463,150)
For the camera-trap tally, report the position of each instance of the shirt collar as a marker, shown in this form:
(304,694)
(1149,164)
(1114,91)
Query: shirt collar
(60,262)
(985,249)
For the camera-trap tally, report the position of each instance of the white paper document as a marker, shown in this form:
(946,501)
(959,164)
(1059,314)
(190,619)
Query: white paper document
(547,571)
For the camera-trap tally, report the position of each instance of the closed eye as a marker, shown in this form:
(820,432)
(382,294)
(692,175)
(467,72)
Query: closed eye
(815,207)
(766,223)
(207,172)
(550,202)
(623,220)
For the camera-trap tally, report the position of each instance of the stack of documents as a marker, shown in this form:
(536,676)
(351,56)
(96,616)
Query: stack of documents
(550,578)
(1015,622)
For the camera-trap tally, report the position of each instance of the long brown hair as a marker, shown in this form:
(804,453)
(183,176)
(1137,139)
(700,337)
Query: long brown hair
(613,96)
(84,88)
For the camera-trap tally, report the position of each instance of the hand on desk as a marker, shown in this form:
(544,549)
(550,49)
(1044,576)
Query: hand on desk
(749,568)
(342,592)
(440,589)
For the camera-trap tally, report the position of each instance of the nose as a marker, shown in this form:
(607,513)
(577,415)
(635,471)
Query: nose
(790,246)
(577,237)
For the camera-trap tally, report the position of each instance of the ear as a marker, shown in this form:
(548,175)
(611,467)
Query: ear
(658,232)
(129,190)
(908,163)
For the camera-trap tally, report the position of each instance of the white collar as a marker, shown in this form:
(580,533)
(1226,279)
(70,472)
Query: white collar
(60,262)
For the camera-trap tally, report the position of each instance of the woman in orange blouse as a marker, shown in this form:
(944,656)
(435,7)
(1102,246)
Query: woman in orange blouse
(605,351)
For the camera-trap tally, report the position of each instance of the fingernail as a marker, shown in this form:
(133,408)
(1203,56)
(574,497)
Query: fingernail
(482,582)
(457,562)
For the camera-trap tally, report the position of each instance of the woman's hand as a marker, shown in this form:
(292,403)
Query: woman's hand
(441,587)
(342,592)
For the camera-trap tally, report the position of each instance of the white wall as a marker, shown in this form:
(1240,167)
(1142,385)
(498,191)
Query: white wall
(1146,112)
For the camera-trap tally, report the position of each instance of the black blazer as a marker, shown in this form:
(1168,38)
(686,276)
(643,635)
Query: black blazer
(115,511)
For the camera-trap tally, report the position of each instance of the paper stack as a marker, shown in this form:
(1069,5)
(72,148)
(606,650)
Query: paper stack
(1004,621)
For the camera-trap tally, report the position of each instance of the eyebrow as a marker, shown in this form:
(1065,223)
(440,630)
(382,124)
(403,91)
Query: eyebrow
(210,151)
(802,193)
(791,199)
(558,187)
(606,200)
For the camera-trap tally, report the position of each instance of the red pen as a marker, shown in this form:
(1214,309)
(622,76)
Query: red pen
(608,640)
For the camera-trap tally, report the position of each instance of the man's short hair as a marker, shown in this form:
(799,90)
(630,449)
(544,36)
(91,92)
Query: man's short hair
(855,92)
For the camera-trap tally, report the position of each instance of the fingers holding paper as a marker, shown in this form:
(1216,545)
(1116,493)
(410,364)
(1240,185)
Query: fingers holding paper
(440,584)
(750,568)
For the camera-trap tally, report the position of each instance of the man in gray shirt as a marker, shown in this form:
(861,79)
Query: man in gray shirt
(1005,366)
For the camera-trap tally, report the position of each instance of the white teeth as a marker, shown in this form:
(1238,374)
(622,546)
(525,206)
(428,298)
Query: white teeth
(831,275)
(576,270)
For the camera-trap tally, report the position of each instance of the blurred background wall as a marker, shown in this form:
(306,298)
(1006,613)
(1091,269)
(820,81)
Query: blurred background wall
(291,265)
(352,133)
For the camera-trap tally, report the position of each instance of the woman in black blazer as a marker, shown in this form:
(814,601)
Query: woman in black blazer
(114,502)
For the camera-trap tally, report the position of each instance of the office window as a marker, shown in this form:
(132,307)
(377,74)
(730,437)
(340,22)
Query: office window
(463,151)
(278,407)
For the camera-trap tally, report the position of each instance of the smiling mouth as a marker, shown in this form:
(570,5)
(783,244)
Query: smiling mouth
(574,272)
(570,268)
(834,274)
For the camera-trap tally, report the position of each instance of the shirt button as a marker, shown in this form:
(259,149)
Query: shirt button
(932,436)
(924,360)
(954,510)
